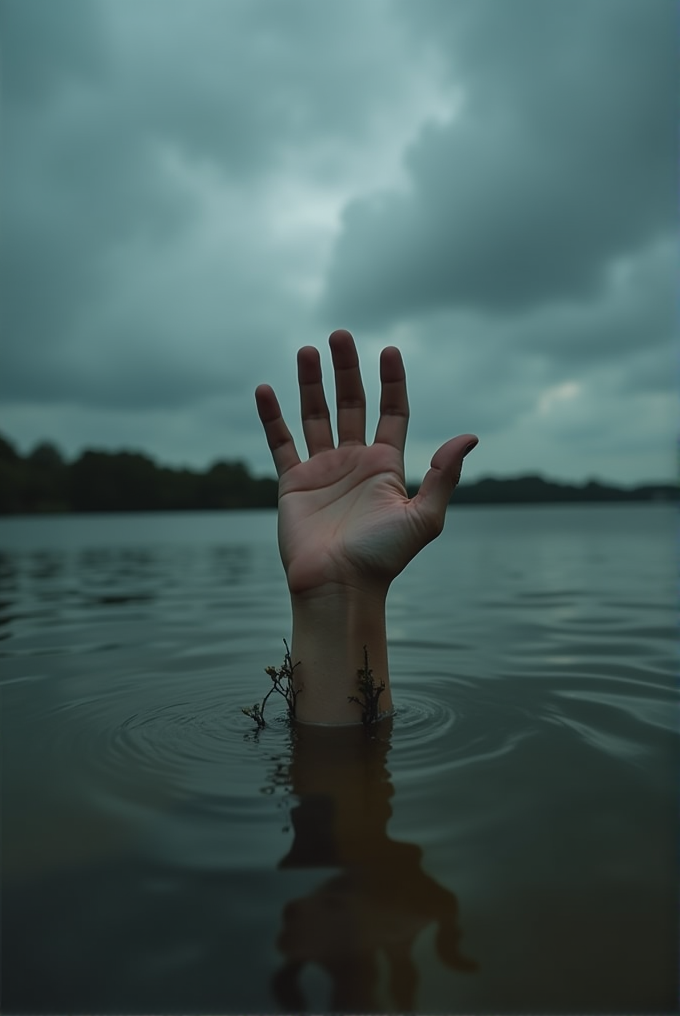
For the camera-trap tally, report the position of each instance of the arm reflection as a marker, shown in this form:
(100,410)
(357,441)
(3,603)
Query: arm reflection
(379,900)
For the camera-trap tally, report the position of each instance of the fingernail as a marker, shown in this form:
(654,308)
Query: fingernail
(469,447)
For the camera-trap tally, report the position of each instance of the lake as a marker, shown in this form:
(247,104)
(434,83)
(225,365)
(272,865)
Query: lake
(506,843)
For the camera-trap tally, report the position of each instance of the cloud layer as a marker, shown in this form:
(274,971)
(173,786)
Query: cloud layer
(191,190)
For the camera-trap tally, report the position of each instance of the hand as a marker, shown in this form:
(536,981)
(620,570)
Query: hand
(345,518)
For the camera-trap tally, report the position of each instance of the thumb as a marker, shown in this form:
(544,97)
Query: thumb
(441,479)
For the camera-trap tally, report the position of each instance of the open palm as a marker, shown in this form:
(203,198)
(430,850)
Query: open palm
(344,514)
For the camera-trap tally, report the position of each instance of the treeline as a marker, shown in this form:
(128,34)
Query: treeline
(537,490)
(98,481)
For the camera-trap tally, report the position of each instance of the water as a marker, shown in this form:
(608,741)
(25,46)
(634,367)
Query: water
(507,843)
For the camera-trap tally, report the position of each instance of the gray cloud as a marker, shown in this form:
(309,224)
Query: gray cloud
(561,160)
(47,46)
(101,100)
(193,188)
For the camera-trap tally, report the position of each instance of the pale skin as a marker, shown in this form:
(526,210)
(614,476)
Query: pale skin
(347,526)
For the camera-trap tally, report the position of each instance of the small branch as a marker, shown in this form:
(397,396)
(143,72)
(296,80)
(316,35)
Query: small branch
(255,713)
(282,682)
(371,693)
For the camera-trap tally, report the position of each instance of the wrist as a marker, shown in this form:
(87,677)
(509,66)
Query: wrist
(331,626)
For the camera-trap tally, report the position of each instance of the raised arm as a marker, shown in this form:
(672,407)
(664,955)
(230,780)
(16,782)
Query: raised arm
(346,524)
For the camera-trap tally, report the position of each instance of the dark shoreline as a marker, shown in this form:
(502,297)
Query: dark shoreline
(44,483)
(536,490)
(486,493)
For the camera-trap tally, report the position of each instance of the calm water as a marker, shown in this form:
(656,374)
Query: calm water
(507,843)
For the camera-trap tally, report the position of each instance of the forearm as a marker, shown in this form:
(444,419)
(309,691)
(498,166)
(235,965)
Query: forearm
(331,626)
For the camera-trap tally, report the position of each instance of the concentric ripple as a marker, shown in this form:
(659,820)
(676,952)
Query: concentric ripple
(164,741)
(439,729)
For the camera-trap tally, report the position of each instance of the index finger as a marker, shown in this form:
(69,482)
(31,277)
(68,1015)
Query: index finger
(279,438)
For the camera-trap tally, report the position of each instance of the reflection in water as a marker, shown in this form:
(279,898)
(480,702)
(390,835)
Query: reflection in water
(379,900)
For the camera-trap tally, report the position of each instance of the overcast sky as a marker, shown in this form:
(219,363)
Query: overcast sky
(192,189)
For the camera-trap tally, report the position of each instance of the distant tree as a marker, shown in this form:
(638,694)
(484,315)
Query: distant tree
(8,452)
(225,485)
(11,478)
(178,489)
(32,484)
(596,491)
(44,483)
(104,481)
(46,456)
(264,493)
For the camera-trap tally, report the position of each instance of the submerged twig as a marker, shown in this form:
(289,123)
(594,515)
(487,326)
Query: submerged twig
(371,692)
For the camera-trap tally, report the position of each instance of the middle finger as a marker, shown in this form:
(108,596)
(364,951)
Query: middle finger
(349,390)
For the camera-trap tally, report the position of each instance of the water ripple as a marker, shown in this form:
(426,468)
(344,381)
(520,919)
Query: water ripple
(158,741)
(439,727)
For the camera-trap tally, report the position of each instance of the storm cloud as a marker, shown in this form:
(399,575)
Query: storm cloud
(194,188)
(559,162)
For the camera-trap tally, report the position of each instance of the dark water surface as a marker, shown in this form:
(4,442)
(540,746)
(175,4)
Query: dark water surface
(508,843)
